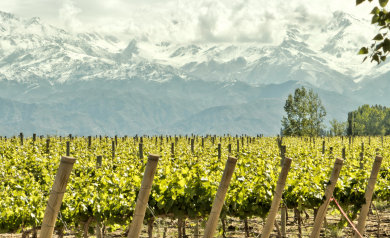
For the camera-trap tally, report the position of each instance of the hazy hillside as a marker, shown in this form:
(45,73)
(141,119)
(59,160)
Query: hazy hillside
(51,80)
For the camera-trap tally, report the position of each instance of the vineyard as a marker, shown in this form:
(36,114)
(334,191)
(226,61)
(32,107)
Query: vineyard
(104,183)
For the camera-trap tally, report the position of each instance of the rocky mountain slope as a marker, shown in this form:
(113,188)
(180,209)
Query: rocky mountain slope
(95,84)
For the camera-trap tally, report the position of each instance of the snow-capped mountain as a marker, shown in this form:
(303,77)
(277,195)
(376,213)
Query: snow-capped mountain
(47,66)
(31,48)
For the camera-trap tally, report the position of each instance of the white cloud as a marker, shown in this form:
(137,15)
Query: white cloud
(67,17)
(261,21)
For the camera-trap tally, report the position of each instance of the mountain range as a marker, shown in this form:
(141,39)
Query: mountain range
(52,81)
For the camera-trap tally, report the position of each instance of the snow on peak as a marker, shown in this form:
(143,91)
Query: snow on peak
(35,21)
(342,20)
(131,49)
(33,48)
(5,15)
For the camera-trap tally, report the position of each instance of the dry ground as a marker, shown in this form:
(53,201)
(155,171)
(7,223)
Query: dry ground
(235,227)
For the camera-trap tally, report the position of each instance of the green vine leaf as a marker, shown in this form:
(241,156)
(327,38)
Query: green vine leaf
(378,37)
(374,19)
(383,3)
(386,45)
(375,11)
(359,2)
(363,51)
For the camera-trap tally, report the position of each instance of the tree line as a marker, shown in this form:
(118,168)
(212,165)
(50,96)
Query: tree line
(306,115)
(366,120)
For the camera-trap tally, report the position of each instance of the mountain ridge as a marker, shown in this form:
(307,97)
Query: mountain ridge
(179,84)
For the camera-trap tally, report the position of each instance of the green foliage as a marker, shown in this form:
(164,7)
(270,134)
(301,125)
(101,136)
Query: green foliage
(375,11)
(381,47)
(305,114)
(359,2)
(363,51)
(378,37)
(368,120)
(185,184)
(338,128)
(383,3)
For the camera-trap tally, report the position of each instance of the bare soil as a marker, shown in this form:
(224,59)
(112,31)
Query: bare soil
(236,227)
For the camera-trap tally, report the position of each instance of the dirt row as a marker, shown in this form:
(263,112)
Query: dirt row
(236,228)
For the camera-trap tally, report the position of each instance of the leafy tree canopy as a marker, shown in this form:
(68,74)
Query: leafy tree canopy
(368,120)
(338,128)
(305,114)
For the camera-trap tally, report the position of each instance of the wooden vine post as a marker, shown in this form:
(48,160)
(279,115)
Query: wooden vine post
(220,197)
(282,154)
(141,152)
(99,160)
(67,148)
(196,229)
(143,196)
(47,146)
(269,225)
(98,229)
(283,218)
(56,195)
(368,195)
(219,151)
(283,209)
(113,150)
(321,213)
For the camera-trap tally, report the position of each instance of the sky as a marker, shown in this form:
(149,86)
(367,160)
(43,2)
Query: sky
(206,21)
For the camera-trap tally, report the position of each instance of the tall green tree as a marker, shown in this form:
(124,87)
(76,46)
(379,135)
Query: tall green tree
(386,121)
(305,114)
(368,120)
(338,128)
(381,46)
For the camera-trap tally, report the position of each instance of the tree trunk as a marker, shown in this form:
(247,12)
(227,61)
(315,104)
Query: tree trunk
(315,210)
(379,220)
(35,233)
(86,226)
(61,232)
(223,227)
(184,227)
(150,227)
(246,227)
(307,215)
(277,229)
(179,221)
(165,232)
(298,216)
